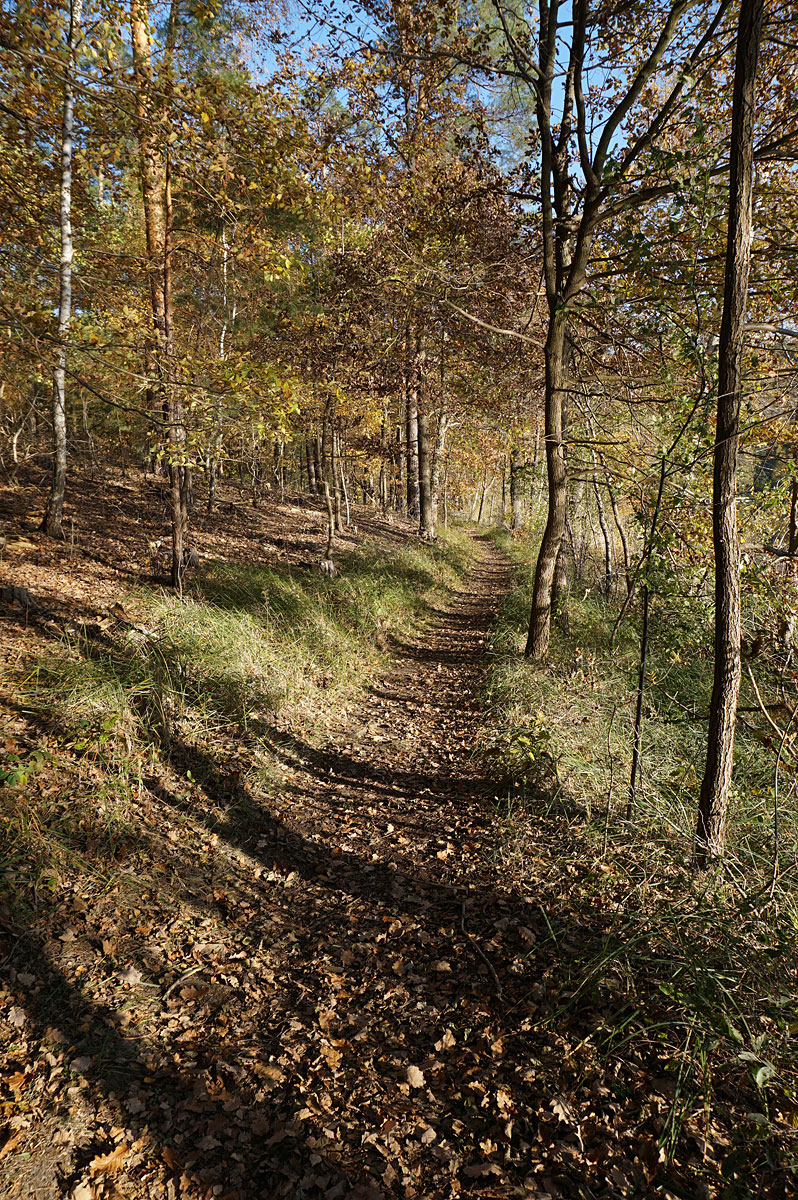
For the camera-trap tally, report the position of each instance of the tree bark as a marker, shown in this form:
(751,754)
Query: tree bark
(336,478)
(55,503)
(228,317)
(411,441)
(311,467)
(318,460)
(516,474)
(716,785)
(537,643)
(437,462)
(156,202)
(426,525)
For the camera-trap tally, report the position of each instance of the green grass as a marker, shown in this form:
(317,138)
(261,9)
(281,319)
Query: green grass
(247,650)
(695,974)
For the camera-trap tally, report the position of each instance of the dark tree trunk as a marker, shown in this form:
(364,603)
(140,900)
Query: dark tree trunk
(716,784)
(537,643)
(311,467)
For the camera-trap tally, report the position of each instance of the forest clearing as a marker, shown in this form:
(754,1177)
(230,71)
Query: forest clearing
(398,599)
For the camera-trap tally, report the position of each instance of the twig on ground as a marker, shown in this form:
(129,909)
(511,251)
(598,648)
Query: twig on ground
(181,979)
(480,952)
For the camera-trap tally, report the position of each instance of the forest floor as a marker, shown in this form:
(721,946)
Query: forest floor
(329,987)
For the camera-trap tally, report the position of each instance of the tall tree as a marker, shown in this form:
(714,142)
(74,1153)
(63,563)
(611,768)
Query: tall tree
(154,164)
(716,784)
(570,215)
(55,502)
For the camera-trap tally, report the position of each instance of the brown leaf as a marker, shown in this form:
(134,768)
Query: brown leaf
(131,976)
(415,1077)
(11,1143)
(109,1164)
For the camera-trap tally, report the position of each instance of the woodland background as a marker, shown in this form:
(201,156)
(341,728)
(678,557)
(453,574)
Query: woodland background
(287,287)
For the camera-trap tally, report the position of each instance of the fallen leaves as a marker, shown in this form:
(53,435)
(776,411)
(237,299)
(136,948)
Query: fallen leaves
(130,976)
(16,1016)
(110,1163)
(415,1077)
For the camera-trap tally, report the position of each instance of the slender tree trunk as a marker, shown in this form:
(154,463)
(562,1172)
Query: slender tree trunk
(792,544)
(180,487)
(336,478)
(716,784)
(156,201)
(426,526)
(616,516)
(559,589)
(437,462)
(324,447)
(228,318)
(446,496)
(516,470)
(311,467)
(55,503)
(537,644)
(344,489)
(411,441)
(485,489)
(318,468)
(602,518)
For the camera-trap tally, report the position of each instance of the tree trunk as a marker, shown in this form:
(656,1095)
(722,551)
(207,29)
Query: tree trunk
(318,468)
(156,201)
(311,467)
(324,446)
(716,784)
(411,443)
(426,525)
(216,435)
(616,516)
(559,589)
(437,461)
(344,489)
(602,518)
(336,477)
(537,644)
(516,470)
(55,503)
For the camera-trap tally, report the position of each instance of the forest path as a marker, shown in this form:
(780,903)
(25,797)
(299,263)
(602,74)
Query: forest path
(406,952)
(331,992)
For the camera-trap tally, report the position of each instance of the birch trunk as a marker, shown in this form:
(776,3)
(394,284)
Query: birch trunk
(55,503)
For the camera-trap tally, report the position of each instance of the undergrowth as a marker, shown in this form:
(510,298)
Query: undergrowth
(248,652)
(687,976)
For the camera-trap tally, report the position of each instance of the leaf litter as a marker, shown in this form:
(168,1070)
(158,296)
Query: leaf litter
(326,989)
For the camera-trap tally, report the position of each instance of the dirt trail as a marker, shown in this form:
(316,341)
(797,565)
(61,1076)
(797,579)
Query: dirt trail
(330,995)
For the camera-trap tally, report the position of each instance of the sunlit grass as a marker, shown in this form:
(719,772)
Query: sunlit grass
(247,649)
(696,973)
